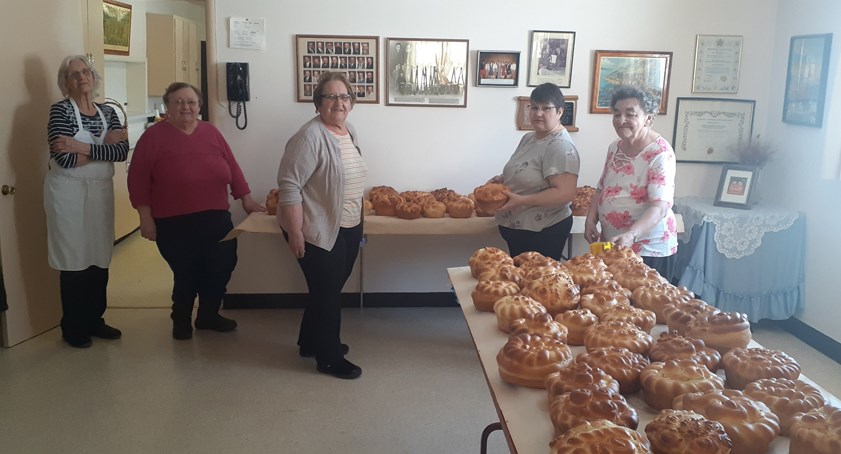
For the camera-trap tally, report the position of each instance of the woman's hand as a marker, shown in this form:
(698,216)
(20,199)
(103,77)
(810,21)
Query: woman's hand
(296,243)
(148,229)
(67,144)
(250,206)
(624,239)
(591,232)
(115,136)
(514,201)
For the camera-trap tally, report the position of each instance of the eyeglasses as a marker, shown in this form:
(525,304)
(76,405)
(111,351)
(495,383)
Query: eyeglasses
(544,109)
(342,97)
(189,102)
(79,74)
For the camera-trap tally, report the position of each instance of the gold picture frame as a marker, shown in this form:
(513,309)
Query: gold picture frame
(116,27)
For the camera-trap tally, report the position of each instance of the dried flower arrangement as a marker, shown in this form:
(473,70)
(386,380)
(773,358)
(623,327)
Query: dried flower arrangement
(754,153)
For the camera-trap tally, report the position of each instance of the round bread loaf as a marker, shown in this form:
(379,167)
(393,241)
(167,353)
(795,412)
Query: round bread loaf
(587,259)
(817,431)
(662,382)
(641,318)
(537,272)
(381,190)
(600,437)
(620,363)
(557,293)
(433,209)
(680,314)
(750,424)
(607,286)
(722,331)
(636,276)
(581,202)
(417,197)
(407,210)
(539,324)
(590,404)
(445,195)
(601,302)
(461,207)
(744,365)
(578,376)
(386,205)
(504,272)
(618,334)
(655,296)
(528,257)
(674,346)
(577,321)
(686,432)
(491,196)
(487,258)
(487,293)
(785,398)
(526,360)
(510,308)
(618,254)
(368,208)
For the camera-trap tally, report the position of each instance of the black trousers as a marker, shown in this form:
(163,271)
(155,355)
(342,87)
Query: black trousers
(664,265)
(549,241)
(201,264)
(326,273)
(84,298)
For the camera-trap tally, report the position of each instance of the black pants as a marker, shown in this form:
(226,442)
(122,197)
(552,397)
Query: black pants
(326,273)
(201,265)
(549,241)
(664,265)
(84,298)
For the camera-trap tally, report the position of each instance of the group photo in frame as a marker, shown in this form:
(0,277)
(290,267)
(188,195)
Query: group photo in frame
(614,68)
(355,56)
(735,187)
(116,27)
(567,117)
(426,72)
(718,59)
(550,58)
(497,68)
(806,76)
(709,129)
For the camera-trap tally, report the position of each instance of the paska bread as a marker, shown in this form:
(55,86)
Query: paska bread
(686,432)
(526,360)
(590,404)
(786,398)
(817,431)
(744,365)
(600,437)
(662,382)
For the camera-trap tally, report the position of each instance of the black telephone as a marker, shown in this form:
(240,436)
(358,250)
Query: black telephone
(238,91)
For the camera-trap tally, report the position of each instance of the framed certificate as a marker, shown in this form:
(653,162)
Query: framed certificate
(709,129)
(717,62)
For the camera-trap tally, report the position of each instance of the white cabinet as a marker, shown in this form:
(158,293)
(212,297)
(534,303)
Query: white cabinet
(172,52)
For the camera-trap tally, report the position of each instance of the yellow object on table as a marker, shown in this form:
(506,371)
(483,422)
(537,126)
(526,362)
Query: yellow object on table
(600,246)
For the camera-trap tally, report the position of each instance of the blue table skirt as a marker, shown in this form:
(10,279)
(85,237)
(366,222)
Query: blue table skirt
(770,283)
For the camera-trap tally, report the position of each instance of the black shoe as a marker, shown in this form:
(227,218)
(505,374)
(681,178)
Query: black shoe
(216,323)
(305,353)
(107,332)
(78,341)
(182,330)
(341,369)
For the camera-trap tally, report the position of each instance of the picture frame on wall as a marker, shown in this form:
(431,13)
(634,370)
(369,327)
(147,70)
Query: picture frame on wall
(614,68)
(806,76)
(550,57)
(116,27)
(355,56)
(426,72)
(567,117)
(718,59)
(735,187)
(708,129)
(495,68)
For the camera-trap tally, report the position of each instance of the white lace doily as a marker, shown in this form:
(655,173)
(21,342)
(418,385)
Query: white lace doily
(737,232)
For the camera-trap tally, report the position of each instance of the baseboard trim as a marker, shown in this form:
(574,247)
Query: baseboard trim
(299,300)
(814,338)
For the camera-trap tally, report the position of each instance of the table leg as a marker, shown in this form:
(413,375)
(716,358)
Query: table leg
(492,427)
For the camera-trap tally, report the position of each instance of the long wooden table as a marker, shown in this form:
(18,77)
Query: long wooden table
(524,412)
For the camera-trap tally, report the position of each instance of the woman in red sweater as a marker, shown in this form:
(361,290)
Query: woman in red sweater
(178,182)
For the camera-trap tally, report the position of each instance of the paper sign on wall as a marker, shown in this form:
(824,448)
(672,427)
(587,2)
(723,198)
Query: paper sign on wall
(247,33)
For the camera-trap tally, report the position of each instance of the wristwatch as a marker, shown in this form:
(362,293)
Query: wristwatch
(635,236)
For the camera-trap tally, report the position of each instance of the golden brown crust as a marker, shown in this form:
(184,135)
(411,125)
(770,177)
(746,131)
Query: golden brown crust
(487,293)
(433,209)
(680,314)
(381,190)
(785,398)
(817,431)
(744,365)
(486,258)
(557,293)
(620,363)
(641,318)
(539,324)
(461,207)
(504,272)
(528,257)
(367,207)
(417,197)
(686,432)
(618,334)
(271,201)
(510,308)
(620,254)
(606,285)
(674,346)
(577,321)
(722,331)
(656,295)
(578,376)
(633,277)
(600,437)
(407,210)
(662,382)
(386,205)
(444,195)
(489,197)
(581,203)
(590,404)
(601,302)
(526,360)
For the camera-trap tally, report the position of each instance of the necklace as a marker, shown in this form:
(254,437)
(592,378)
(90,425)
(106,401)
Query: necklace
(620,159)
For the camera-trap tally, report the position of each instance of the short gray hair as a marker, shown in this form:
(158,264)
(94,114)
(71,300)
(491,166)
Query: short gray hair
(64,69)
(649,103)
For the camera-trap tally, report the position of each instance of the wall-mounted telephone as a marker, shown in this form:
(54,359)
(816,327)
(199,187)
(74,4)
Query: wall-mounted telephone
(238,91)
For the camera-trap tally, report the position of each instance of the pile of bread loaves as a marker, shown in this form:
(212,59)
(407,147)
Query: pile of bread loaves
(386,201)
(609,304)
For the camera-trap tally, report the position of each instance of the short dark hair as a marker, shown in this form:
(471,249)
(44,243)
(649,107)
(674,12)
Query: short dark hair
(328,76)
(175,86)
(548,93)
(649,103)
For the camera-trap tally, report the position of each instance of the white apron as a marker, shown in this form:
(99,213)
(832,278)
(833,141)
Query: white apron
(79,203)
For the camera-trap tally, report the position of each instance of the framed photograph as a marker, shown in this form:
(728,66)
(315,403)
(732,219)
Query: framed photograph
(808,66)
(116,27)
(496,68)
(567,118)
(613,68)
(708,129)
(717,62)
(357,57)
(735,186)
(550,58)
(426,72)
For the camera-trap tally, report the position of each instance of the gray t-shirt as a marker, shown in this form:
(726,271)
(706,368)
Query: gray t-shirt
(526,173)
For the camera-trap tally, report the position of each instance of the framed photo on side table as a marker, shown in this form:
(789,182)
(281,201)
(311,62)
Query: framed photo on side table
(808,66)
(717,62)
(735,186)
(355,56)
(567,118)
(426,72)
(550,58)
(116,27)
(496,68)
(613,68)
(708,129)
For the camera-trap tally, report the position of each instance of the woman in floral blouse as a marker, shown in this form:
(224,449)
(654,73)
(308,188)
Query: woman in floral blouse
(634,197)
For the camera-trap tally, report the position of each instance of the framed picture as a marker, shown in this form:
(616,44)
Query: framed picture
(357,57)
(708,129)
(550,58)
(495,68)
(717,62)
(116,27)
(735,186)
(614,68)
(808,66)
(567,117)
(426,72)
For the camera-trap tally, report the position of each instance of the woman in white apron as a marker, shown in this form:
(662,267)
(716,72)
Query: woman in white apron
(85,140)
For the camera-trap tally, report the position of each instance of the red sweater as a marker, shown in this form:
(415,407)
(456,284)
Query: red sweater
(175,173)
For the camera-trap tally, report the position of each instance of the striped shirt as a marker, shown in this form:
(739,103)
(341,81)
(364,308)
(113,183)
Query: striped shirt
(63,123)
(355,173)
